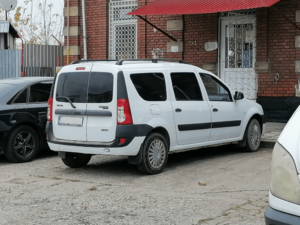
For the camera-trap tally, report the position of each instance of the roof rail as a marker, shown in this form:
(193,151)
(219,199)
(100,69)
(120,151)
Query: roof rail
(120,62)
(93,60)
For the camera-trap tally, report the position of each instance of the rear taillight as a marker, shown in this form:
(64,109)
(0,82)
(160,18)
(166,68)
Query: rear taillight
(124,113)
(49,110)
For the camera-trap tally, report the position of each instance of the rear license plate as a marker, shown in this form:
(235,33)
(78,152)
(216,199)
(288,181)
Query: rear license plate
(70,121)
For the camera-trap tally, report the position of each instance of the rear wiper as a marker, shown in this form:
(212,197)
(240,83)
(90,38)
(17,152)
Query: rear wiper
(65,97)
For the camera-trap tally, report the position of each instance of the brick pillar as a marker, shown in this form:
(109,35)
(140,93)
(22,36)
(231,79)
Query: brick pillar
(74,13)
(262,48)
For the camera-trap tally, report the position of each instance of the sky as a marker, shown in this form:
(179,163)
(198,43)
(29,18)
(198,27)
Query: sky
(32,7)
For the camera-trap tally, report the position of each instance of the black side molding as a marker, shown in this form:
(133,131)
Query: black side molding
(98,113)
(198,126)
(202,126)
(83,112)
(69,112)
(226,124)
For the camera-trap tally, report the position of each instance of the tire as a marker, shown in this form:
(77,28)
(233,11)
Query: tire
(252,136)
(76,160)
(154,154)
(23,145)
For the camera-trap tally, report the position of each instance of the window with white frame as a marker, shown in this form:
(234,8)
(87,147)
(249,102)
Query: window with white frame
(122,29)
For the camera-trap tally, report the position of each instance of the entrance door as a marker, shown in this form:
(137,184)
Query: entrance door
(237,59)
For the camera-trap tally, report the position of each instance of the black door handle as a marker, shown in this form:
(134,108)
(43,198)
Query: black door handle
(178,110)
(215,110)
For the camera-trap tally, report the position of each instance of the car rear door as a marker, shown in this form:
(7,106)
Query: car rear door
(191,113)
(101,105)
(69,104)
(37,101)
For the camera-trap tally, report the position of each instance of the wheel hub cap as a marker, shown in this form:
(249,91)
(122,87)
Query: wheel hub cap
(255,135)
(24,144)
(157,154)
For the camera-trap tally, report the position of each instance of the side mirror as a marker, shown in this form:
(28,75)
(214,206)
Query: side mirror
(238,95)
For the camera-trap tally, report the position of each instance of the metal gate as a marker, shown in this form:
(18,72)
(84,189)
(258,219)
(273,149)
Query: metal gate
(10,63)
(238,51)
(42,60)
(122,30)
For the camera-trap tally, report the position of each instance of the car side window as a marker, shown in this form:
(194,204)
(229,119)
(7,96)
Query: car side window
(216,91)
(150,86)
(186,87)
(39,93)
(21,98)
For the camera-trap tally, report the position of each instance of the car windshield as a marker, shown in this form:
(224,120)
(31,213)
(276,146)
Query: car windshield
(5,88)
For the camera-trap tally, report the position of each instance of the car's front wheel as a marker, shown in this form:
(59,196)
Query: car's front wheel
(252,136)
(76,160)
(23,145)
(154,154)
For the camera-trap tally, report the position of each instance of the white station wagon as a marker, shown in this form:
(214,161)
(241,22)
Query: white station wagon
(145,109)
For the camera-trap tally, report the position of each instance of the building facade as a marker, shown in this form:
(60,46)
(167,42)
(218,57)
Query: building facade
(255,50)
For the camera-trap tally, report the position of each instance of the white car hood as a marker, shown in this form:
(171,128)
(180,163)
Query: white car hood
(290,137)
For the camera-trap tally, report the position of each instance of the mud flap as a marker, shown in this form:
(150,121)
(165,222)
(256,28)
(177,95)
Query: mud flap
(62,155)
(135,160)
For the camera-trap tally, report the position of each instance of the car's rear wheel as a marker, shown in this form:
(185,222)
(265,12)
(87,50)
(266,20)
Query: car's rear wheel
(252,136)
(154,154)
(76,160)
(23,145)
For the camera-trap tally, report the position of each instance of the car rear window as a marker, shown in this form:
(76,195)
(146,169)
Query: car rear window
(22,98)
(73,86)
(100,87)
(150,86)
(95,87)
(39,92)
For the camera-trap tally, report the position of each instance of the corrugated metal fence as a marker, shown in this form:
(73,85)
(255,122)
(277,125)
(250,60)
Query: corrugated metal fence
(10,63)
(42,60)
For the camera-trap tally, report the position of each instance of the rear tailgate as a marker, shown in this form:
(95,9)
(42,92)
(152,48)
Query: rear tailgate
(69,103)
(102,104)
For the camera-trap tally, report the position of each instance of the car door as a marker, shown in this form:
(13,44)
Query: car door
(226,113)
(19,105)
(192,115)
(101,105)
(37,102)
(69,104)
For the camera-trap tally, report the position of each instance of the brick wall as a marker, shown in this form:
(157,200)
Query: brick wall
(276,42)
(198,29)
(96,29)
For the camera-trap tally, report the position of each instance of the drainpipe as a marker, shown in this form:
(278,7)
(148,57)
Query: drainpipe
(68,32)
(84,30)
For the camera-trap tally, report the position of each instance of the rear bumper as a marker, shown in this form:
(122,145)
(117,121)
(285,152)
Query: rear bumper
(275,217)
(130,150)
(134,135)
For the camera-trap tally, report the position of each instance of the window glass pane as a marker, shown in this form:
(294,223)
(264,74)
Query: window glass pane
(186,87)
(100,88)
(150,86)
(39,92)
(73,86)
(216,91)
(22,97)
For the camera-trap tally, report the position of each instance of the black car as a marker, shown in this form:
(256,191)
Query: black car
(23,116)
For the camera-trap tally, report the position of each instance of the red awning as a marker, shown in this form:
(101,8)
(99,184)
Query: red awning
(163,7)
